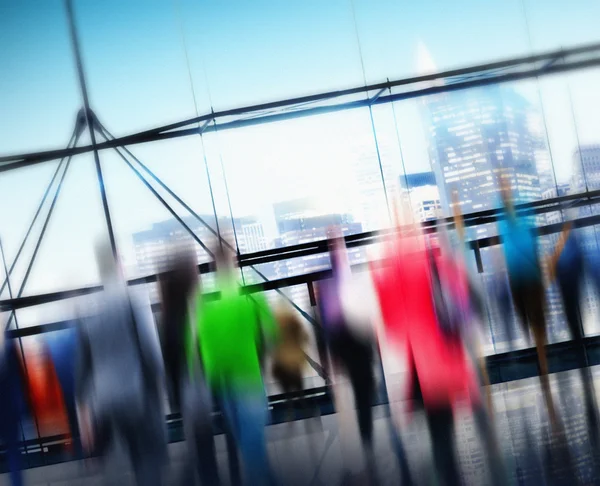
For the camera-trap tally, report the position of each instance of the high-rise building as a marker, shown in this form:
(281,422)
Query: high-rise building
(298,222)
(586,169)
(155,247)
(476,139)
(422,194)
(425,202)
(371,173)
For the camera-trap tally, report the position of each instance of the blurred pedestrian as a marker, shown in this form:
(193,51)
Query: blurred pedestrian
(350,338)
(120,378)
(11,406)
(185,381)
(567,265)
(439,373)
(232,331)
(525,276)
(288,357)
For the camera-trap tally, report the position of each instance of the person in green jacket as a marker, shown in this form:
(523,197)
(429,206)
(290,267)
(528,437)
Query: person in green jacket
(232,331)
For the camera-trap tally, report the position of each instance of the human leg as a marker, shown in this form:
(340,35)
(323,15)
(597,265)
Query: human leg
(536,314)
(441,429)
(143,438)
(9,434)
(246,415)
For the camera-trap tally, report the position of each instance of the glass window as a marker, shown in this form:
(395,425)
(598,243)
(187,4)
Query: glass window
(269,50)
(135,62)
(292,181)
(39,94)
(407,39)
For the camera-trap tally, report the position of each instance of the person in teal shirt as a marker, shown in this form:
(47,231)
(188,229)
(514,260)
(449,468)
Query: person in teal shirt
(525,277)
(232,331)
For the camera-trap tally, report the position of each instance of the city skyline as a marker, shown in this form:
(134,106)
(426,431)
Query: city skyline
(138,81)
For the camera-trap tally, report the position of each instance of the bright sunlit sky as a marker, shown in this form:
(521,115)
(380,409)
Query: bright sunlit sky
(243,52)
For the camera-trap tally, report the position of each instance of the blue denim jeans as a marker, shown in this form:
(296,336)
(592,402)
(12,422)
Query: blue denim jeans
(246,416)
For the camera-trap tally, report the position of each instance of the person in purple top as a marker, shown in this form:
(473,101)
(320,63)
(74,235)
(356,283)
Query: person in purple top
(351,352)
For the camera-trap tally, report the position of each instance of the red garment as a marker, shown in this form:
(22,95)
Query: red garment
(403,286)
(45,394)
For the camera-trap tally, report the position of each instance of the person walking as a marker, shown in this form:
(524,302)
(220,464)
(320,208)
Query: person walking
(120,378)
(232,331)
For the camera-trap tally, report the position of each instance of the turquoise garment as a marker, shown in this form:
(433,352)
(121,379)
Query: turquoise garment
(520,248)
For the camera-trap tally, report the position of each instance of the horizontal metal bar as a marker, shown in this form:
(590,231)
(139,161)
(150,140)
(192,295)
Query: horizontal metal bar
(302,279)
(560,53)
(516,365)
(170,131)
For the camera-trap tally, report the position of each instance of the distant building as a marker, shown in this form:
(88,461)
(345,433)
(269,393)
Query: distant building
(155,247)
(476,139)
(425,202)
(298,222)
(417,179)
(586,169)
(370,178)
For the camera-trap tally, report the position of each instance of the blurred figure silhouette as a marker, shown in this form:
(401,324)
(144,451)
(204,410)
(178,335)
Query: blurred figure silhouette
(440,375)
(567,265)
(44,391)
(350,342)
(231,332)
(527,288)
(461,287)
(187,389)
(62,347)
(177,286)
(11,406)
(288,356)
(120,378)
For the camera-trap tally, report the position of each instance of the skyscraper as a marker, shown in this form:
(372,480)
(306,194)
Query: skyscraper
(423,195)
(476,138)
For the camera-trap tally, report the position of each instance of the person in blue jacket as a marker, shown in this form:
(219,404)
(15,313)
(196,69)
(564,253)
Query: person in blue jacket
(11,406)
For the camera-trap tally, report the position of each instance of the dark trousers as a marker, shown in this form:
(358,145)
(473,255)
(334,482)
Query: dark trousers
(441,429)
(144,441)
(529,300)
(570,289)
(9,434)
(355,356)
(196,411)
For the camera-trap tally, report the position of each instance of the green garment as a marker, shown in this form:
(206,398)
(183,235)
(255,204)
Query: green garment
(230,331)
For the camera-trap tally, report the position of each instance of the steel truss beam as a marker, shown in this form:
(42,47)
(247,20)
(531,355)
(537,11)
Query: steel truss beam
(553,62)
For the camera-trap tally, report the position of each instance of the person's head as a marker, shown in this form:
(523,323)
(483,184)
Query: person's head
(180,276)
(108,266)
(224,259)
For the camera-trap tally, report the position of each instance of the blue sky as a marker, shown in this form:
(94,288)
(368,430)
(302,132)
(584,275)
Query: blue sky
(243,52)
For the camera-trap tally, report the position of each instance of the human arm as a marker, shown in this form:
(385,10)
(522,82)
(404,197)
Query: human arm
(552,260)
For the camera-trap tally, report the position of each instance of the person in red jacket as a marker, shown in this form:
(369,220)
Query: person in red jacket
(441,374)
